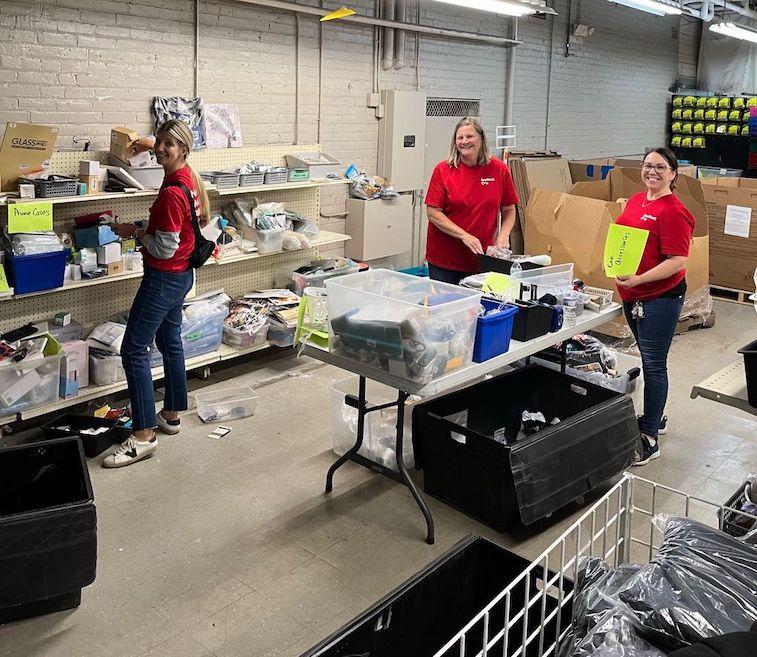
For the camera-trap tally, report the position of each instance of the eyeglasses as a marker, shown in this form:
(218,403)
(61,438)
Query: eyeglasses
(659,168)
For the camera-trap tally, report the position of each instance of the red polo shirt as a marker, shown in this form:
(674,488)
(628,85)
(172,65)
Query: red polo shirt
(470,197)
(670,227)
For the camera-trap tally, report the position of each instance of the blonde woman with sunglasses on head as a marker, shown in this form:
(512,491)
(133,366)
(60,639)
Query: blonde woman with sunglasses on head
(156,313)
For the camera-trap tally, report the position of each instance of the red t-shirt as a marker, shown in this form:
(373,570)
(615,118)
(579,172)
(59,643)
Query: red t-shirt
(170,226)
(670,227)
(470,197)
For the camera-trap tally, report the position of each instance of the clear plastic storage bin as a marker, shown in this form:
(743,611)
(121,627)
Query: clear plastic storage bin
(380,431)
(244,339)
(199,335)
(29,384)
(105,369)
(229,404)
(301,281)
(269,241)
(413,328)
(280,335)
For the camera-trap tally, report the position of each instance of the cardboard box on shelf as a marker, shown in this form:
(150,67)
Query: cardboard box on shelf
(732,207)
(115,268)
(572,228)
(89,167)
(25,151)
(121,140)
(92,183)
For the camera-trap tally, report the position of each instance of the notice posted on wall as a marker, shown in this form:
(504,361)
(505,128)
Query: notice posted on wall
(737,220)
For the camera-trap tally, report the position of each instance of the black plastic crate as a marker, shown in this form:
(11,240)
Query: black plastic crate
(74,425)
(48,525)
(489,263)
(733,522)
(750,368)
(533,320)
(522,479)
(427,610)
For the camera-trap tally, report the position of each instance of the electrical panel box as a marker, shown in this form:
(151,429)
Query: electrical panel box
(402,139)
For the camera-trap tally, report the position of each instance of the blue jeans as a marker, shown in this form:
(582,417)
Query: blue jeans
(654,334)
(446,275)
(156,315)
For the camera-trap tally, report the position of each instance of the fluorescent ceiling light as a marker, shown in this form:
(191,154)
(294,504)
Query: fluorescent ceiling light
(651,7)
(735,31)
(495,6)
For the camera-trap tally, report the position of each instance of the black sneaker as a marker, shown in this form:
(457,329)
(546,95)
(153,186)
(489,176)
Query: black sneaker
(663,428)
(650,450)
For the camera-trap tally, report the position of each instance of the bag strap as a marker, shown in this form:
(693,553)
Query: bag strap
(188,194)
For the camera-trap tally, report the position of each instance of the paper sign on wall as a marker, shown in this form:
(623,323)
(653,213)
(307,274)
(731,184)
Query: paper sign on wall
(737,220)
(623,250)
(3,281)
(30,217)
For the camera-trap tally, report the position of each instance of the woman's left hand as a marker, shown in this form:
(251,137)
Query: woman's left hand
(124,230)
(502,241)
(627,281)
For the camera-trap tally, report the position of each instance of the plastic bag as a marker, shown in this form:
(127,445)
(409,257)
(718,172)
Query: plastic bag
(35,243)
(189,110)
(697,304)
(269,216)
(363,186)
(701,583)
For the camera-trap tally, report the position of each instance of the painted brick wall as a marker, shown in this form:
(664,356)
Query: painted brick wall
(86,65)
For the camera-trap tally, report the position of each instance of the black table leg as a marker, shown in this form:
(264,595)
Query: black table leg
(563,356)
(401,397)
(358,443)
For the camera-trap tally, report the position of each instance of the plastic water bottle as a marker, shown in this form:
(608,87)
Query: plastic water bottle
(515,271)
(570,299)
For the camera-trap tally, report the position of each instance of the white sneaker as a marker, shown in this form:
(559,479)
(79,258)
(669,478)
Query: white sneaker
(131,451)
(170,427)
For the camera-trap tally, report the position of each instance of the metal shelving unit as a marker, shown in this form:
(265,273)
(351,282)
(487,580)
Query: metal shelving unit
(728,386)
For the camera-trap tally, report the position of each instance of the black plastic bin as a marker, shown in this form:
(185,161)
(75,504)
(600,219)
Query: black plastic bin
(73,425)
(48,525)
(750,368)
(526,479)
(425,612)
(533,320)
(733,522)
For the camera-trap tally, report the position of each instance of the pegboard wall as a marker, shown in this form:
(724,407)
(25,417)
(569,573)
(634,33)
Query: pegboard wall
(91,305)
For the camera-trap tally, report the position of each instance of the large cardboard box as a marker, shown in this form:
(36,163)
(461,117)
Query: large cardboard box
(599,168)
(572,228)
(25,151)
(733,259)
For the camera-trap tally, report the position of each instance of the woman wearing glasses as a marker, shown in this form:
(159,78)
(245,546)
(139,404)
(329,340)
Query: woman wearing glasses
(653,297)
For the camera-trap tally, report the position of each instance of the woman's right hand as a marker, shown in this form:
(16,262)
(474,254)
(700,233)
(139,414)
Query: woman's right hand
(124,230)
(473,243)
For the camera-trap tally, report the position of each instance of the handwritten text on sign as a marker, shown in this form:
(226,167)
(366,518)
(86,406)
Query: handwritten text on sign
(623,250)
(30,217)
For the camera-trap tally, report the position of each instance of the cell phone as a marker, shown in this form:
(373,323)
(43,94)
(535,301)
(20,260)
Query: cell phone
(219,432)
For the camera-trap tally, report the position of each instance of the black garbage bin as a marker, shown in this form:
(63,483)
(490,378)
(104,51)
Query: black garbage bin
(421,615)
(48,524)
(592,436)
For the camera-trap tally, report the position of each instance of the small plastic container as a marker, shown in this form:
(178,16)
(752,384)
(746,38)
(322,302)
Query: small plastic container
(251,179)
(26,385)
(303,281)
(733,521)
(244,339)
(53,186)
(750,369)
(414,328)
(228,404)
(33,273)
(105,369)
(298,175)
(493,331)
(81,426)
(276,176)
(269,241)
(534,319)
(280,335)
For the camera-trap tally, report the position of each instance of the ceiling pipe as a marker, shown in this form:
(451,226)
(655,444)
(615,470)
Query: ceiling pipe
(705,9)
(369,20)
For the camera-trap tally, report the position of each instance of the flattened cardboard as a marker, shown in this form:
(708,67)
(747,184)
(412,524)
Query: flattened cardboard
(25,151)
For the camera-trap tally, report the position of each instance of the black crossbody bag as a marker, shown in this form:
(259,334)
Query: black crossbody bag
(203,248)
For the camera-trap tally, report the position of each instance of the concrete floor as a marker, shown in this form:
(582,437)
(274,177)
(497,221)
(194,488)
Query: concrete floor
(230,547)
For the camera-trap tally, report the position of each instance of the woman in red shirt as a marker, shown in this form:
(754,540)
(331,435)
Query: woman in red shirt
(466,194)
(157,311)
(653,297)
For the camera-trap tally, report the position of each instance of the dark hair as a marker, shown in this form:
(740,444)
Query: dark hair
(670,157)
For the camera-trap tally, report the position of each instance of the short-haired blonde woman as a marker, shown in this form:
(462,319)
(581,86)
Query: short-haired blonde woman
(466,194)
(156,313)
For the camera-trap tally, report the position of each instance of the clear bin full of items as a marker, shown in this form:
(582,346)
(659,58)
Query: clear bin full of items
(412,328)
(29,373)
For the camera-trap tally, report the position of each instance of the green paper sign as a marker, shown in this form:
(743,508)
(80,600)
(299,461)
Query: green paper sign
(30,217)
(623,250)
(496,283)
(3,281)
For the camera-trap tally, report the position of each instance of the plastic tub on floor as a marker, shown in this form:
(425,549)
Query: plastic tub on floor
(48,539)
(493,331)
(380,430)
(96,433)
(750,369)
(422,614)
(228,404)
(413,328)
(476,457)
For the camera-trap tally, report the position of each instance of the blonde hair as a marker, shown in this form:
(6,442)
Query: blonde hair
(181,132)
(483,155)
